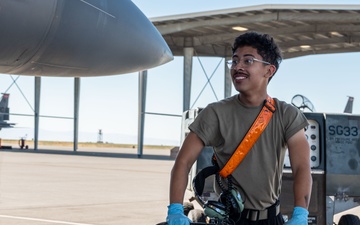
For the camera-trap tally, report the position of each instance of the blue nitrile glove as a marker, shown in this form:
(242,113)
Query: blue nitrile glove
(176,215)
(299,217)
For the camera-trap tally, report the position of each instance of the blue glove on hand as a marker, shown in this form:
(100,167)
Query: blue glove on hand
(299,217)
(176,215)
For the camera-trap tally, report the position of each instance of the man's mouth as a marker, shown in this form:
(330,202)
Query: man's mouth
(239,77)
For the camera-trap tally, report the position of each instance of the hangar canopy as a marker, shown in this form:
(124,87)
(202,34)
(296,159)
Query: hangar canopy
(298,29)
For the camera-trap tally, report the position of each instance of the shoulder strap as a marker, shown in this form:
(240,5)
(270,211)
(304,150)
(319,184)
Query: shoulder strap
(251,137)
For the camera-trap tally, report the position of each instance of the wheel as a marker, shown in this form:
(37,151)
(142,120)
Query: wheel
(197,215)
(349,220)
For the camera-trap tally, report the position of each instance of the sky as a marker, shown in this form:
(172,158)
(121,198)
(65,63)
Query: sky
(110,103)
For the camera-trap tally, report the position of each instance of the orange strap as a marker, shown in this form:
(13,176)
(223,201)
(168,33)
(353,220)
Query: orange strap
(250,138)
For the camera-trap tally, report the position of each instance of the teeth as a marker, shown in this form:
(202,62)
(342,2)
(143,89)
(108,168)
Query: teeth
(240,78)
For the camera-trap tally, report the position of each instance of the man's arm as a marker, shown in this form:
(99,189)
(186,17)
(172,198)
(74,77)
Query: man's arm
(299,153)
(188,153)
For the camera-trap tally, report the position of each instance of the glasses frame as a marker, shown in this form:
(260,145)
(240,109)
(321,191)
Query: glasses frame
(231,66)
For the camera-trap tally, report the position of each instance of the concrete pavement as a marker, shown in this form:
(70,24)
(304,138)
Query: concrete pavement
(85,188)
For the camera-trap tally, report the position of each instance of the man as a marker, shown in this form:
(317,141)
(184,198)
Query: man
(255,60)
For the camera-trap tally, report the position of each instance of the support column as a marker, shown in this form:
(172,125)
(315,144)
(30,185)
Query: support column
(36,112)
(141,110)
(188,56)
(227,79)
(76,111)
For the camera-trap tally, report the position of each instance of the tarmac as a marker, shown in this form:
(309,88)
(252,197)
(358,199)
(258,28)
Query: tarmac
(93,186)
(86,187)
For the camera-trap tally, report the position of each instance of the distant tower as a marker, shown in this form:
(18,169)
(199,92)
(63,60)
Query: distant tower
(100,137)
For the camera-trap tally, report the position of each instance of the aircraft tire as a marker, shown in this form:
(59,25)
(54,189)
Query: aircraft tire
(349,220)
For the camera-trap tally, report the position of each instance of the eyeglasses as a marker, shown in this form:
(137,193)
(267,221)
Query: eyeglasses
(246,61)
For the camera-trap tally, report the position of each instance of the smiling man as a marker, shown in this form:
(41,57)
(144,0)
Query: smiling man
(224,124)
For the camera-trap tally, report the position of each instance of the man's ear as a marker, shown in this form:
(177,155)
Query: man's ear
(271,71)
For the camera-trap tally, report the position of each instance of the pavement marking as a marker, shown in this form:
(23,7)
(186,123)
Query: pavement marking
(42,220)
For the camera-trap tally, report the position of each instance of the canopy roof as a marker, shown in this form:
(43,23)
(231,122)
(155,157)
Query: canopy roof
(298,29)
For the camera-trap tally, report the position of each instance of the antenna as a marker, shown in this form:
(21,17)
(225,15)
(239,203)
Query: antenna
(302,103)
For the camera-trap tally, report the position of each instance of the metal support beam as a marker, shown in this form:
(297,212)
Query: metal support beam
(141,110)
(76,111)
(37,111)
(188,56)
(227,80)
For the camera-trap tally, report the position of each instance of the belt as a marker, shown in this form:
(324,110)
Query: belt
(255,215)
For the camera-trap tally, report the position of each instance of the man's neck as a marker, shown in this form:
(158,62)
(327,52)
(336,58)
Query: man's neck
(252,100)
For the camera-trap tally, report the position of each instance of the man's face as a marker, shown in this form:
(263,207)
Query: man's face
(249,72)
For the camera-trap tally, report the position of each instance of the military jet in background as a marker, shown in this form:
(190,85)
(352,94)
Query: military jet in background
(4,112)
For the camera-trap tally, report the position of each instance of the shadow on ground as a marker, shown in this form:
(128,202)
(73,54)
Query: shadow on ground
(88,153)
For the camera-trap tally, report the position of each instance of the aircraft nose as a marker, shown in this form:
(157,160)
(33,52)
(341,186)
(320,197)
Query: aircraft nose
(77,39)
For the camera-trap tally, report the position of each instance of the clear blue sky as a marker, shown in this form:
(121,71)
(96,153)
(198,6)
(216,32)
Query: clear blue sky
(111,103)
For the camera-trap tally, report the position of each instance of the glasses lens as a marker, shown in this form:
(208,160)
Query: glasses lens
(230,64)
(247,61)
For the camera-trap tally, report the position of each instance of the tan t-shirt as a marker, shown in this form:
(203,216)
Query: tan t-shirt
(223,125)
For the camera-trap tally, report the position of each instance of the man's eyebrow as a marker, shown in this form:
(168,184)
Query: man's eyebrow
(235,55)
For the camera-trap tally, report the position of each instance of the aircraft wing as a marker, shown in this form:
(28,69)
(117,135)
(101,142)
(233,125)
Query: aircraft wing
(77,38)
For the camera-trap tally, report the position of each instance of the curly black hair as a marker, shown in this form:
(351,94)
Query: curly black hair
(265,45)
